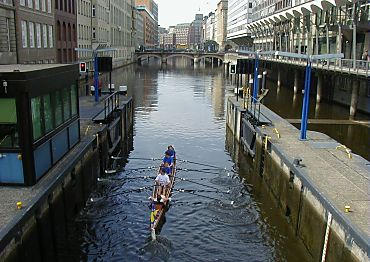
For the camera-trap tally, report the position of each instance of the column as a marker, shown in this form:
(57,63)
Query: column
(354,99)
(296,81)
(319,88)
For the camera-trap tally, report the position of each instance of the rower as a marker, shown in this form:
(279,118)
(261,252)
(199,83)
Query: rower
(162,181)
(171,151)
(168,160)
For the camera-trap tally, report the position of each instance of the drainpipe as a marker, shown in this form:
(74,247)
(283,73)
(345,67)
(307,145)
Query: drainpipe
(354,30)
(327,39)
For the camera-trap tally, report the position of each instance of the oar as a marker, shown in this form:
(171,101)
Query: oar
(125,178)
(114,171)
(202,190)
(203,164)
(123,192)
(194,182)
(193,193)
(197,170)
(134,158)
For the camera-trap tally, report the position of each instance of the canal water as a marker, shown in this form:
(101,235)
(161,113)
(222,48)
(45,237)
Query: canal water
(226,219)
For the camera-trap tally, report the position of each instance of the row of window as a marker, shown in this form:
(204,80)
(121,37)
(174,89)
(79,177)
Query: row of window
(52,110)
(84,8)
(37,5)
(36,35)
(84,32)
(65,5)
(66,32)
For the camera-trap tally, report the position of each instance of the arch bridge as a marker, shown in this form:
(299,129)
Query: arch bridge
(164,55)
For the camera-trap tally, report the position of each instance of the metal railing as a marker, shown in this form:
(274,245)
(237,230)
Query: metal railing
(350,66)
(253,107)
(111,103)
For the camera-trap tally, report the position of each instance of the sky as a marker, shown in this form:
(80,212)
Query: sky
(172,12)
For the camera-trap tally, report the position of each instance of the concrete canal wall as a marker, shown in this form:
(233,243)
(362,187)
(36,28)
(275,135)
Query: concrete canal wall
(311,182)
(39,230)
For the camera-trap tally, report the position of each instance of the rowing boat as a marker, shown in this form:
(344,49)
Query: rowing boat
(160,206)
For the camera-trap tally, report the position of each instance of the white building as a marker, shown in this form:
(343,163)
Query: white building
(239,16)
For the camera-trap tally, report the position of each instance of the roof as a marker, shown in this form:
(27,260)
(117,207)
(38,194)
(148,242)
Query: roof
(28,68)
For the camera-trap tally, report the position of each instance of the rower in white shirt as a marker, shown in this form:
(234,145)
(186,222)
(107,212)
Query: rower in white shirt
(162,181)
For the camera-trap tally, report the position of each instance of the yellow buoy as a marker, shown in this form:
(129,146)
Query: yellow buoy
(19,205)
(347,209)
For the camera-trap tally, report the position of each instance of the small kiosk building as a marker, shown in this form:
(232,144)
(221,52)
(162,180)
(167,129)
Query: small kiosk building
(39,119)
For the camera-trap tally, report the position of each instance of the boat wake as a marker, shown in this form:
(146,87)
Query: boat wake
(156,250)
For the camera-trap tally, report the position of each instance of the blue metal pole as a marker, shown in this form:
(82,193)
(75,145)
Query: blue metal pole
(255,81)
(306,102)
(96,77)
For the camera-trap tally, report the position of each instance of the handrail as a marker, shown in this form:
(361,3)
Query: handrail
(350,66)
(111,103)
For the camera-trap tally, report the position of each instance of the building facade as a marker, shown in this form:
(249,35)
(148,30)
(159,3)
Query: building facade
(149,27)
(104,24)
(8,46)
(182,35)
(239,16)
(221,18)
(195,32)
(66,32)
(84,30)
(120,25)
(152,8)
(313,27)
(139,30)
(35,31)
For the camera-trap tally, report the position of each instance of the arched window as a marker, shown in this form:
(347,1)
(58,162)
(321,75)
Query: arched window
(60,5)
(64,32)
(56,4)
(74,32)
(65,5)
(59,33)
(69,6)
(69,33)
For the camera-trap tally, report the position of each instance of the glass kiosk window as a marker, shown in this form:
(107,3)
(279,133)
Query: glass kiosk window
(48,114)
(36,117)
(8,124)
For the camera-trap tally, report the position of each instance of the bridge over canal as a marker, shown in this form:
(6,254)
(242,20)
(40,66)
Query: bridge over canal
(195,56)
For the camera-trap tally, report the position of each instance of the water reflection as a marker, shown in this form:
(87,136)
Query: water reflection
(175,104)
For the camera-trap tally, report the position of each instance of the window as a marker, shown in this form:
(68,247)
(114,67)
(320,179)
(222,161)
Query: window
(93,10)
(23,2)
(38,35)
(56,4)
(24,34)
(49,6)
(36,117)
(67,103)
(30,3)
(8,123)
(43,5)
(37,4)
(58,116)
(8,33)
(45,36)
(48,113)
(93,33)
(74,100)
(51,39)
(31,27)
